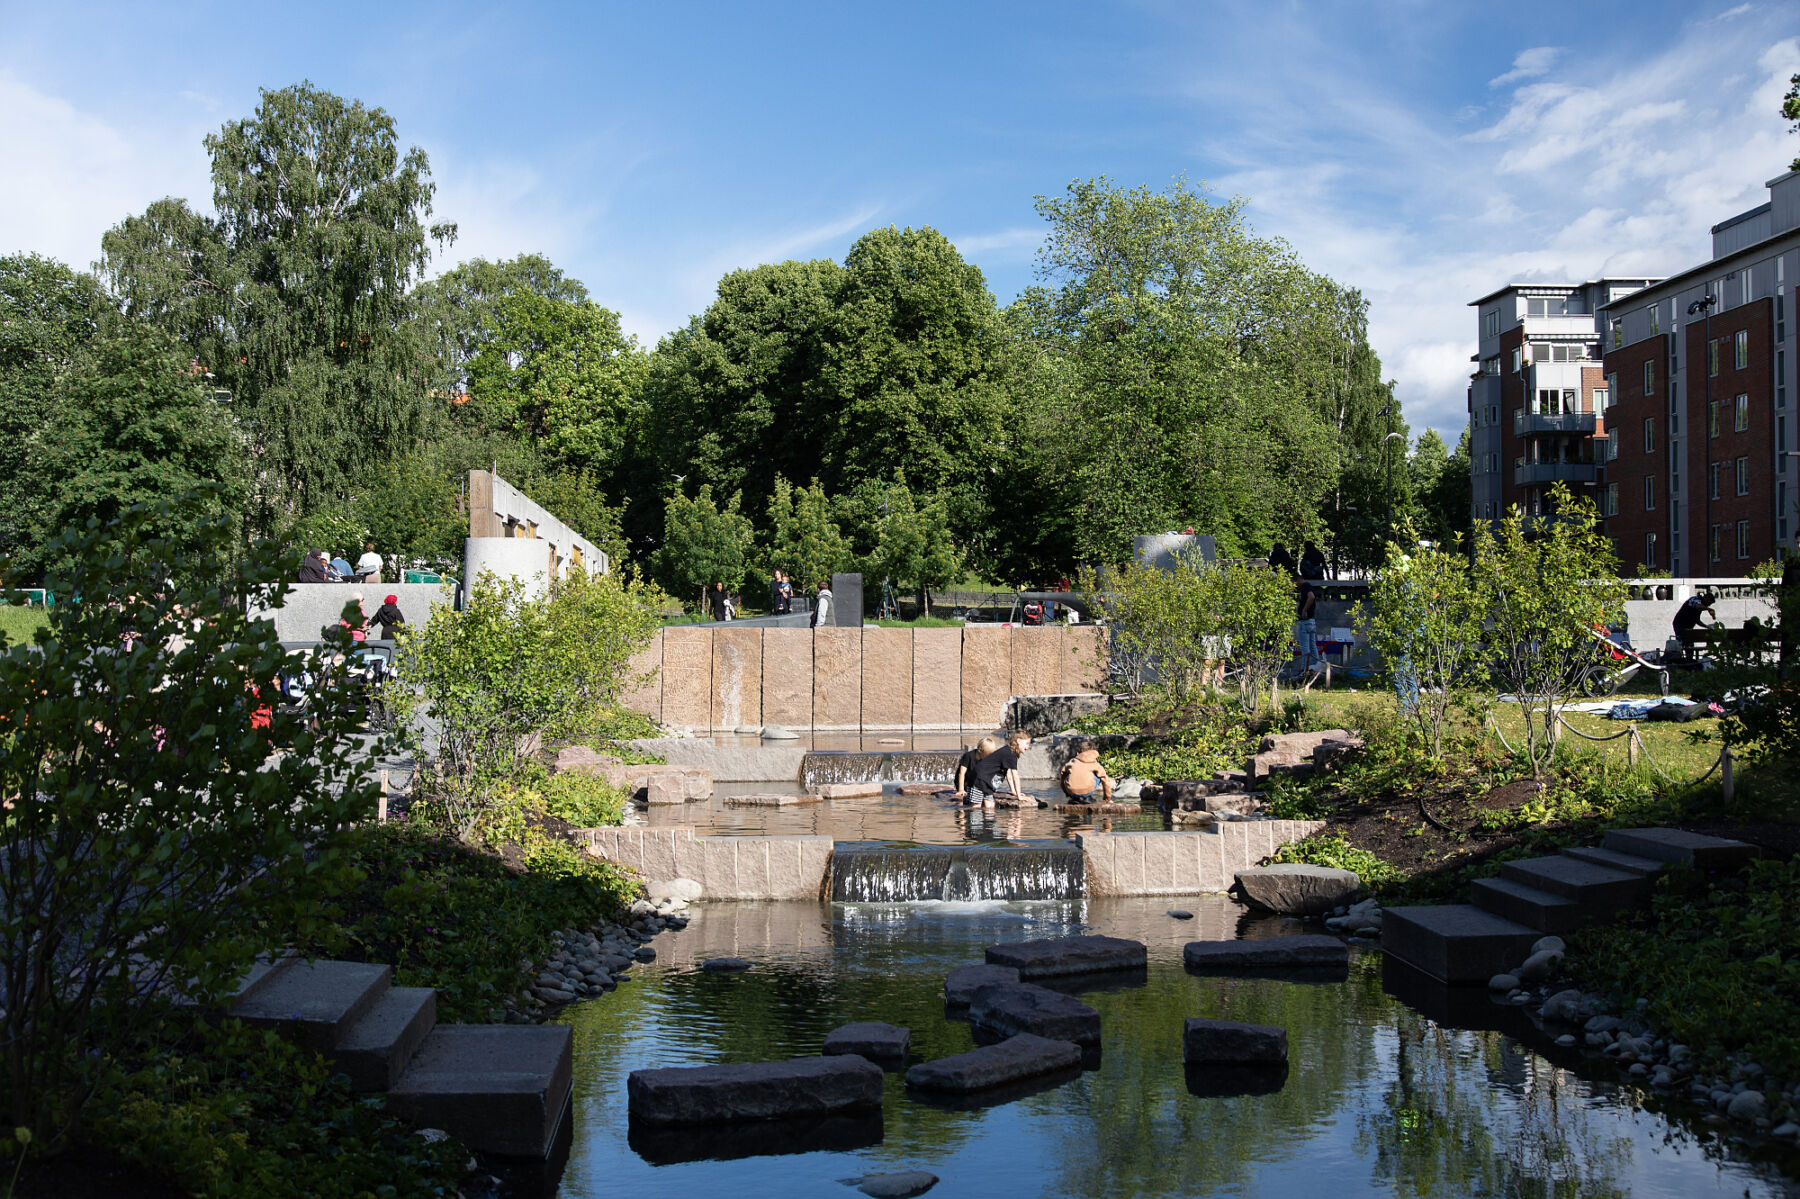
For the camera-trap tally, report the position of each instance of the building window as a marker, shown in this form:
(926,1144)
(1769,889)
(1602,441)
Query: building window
(1781,445)
(1612,500)
(1742,340)
(1655,326)
(1491,366)
(1743,538)
(1712,357)
(1493,330)
(1540,351)
(1712,479)
(1602,399)
(1649,493)
(1712,419)
(1516,357)
(1618,332)
(1713,538)
(1650,551)
(1650,435)
(1740,418)
(1743,476)
(1649,378)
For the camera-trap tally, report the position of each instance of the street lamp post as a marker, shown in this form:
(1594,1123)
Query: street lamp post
(1387,457)
(1704,305)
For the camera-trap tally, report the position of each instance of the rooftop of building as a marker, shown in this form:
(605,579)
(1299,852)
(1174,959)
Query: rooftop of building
(1637,281)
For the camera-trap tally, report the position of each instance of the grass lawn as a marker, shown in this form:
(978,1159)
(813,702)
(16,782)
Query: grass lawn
(19,623)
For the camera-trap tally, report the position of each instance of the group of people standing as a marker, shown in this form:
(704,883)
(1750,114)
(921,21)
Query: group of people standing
(725,605)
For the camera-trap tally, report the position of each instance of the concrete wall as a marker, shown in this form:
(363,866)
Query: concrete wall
(308,607)
(718,677)
(1183,863)
(1650,613)
(727,867)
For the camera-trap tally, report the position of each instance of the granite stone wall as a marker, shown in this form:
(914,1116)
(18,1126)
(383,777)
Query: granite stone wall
(1184,863)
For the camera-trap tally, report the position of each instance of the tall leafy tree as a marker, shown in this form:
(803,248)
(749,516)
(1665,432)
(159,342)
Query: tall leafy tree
(703,543)
(49,318)
(804,538)
(456,311)
(296,296)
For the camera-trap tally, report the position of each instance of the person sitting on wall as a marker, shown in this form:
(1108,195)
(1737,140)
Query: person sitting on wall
(388,616)
(341,571)
(312,568)
(1280,559)
(1083,774)
(822,607)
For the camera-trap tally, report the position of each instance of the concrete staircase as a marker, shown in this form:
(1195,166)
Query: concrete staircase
(500,1088)
(1472,942)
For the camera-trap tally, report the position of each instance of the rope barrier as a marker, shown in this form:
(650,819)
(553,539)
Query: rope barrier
(1631,731)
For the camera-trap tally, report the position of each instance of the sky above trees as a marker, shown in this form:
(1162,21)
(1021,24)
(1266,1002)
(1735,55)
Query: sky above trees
(1422,153)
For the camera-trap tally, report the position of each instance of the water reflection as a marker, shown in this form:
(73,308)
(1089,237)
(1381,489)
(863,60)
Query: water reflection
(1377,1098)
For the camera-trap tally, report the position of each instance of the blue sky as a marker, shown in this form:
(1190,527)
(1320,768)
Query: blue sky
(1424,152)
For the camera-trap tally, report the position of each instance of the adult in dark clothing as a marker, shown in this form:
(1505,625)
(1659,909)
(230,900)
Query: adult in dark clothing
(1306,628)
(312,569)
(1687,619)
(1280,559)
(1312,562)
(717,599)
(388,617)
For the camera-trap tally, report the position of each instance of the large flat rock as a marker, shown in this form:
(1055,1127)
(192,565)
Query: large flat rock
(1271,953)
(375,1050)
(872,1039)
(1455,943)
(499,1088)
(1229,1043)
(1068,955)
(1012,1008)
(315,1003)
(1010,1061)
(808,1086)
(1293,889)
(961,983)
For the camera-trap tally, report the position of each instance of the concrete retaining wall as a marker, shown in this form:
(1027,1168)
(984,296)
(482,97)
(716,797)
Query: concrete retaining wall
(308,607)
(715,678)
(1650,612)
(1183,863)
(727,867)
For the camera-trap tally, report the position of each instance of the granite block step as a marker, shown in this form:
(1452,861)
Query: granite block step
(1606,889)
(1455,943)
(500,1088)
(1528,905)
(1675,845)
(376,1049)
(315,1003)
(1612,859)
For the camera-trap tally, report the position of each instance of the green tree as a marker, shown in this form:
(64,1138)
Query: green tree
(49,317)
(908,542)
(1424,617)
(410,507)
(296,297)
(1790,112)
(456,312)
(804,540)
(703,544)
(133,425)
(1438,486)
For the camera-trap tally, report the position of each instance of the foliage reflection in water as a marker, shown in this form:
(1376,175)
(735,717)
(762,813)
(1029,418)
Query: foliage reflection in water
(1378,1100)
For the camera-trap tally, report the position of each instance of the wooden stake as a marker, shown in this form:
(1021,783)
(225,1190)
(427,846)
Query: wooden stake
(381,810)
(1725,773)
(1631,747)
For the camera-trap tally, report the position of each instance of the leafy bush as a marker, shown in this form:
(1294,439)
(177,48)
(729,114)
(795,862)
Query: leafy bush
(1424,617)
(1323,849)
(238,1112)
(583,800)
(1195,753)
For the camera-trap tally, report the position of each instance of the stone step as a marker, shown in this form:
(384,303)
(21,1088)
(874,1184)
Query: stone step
(1527,905)
(315,1003)
(376,1049)
(1455,943)
(501,1088)
(1612,859)
(1674,845)
(1602,887)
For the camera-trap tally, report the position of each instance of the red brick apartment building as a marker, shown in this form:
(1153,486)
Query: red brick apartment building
(1599,385)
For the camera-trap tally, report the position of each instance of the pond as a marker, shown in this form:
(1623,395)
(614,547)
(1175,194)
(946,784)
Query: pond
(1378,1100)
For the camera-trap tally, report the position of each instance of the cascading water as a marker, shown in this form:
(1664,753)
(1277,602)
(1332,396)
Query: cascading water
(879,873)
(843,766)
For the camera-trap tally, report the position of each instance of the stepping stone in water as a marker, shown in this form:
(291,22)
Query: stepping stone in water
(880,1043)
(1180,914)
(1229,1043)
(845,790)
(1012,1060)
(724,965)
(925,789)
(903,1185)
(808,1086)
(1068,955)
(1293,889)
(762,800)
(1271,953)
(1012,1008)
(961,983)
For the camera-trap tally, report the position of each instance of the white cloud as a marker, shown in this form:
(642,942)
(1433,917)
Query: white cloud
(1529,65)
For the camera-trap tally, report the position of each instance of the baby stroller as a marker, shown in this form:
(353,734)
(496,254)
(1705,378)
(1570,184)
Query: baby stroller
(370,667)
(1615,663)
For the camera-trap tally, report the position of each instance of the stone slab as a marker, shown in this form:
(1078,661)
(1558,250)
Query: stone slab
(961,983)
(315,1003)
(1083,660)
(500,1088)
(986,675)
(1012,1008)
(787,681)
(687,676)
(1676,845)
(1455,943)
(1230,1043)
(837,678)
(767,763)
(671,1144)
(937,679)
(1530,906)
(1269,953)
(808,1086)
(871,1039)
(846,790)
(646,697)
(1010,1061)
(1572,878)
(770,800)
(887,678)
(1630,863)
(1037,660)
(1068,955)
(737,681)
(1294,889)
(375,1050)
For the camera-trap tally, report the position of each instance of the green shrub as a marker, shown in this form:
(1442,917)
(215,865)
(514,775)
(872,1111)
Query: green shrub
(1322,849)
(583,800)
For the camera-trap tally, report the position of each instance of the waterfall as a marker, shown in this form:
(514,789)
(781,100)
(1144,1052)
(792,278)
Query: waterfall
(844,766)
(878,873)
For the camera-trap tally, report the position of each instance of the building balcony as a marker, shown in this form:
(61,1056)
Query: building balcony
(1525,424)
(1538,474)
